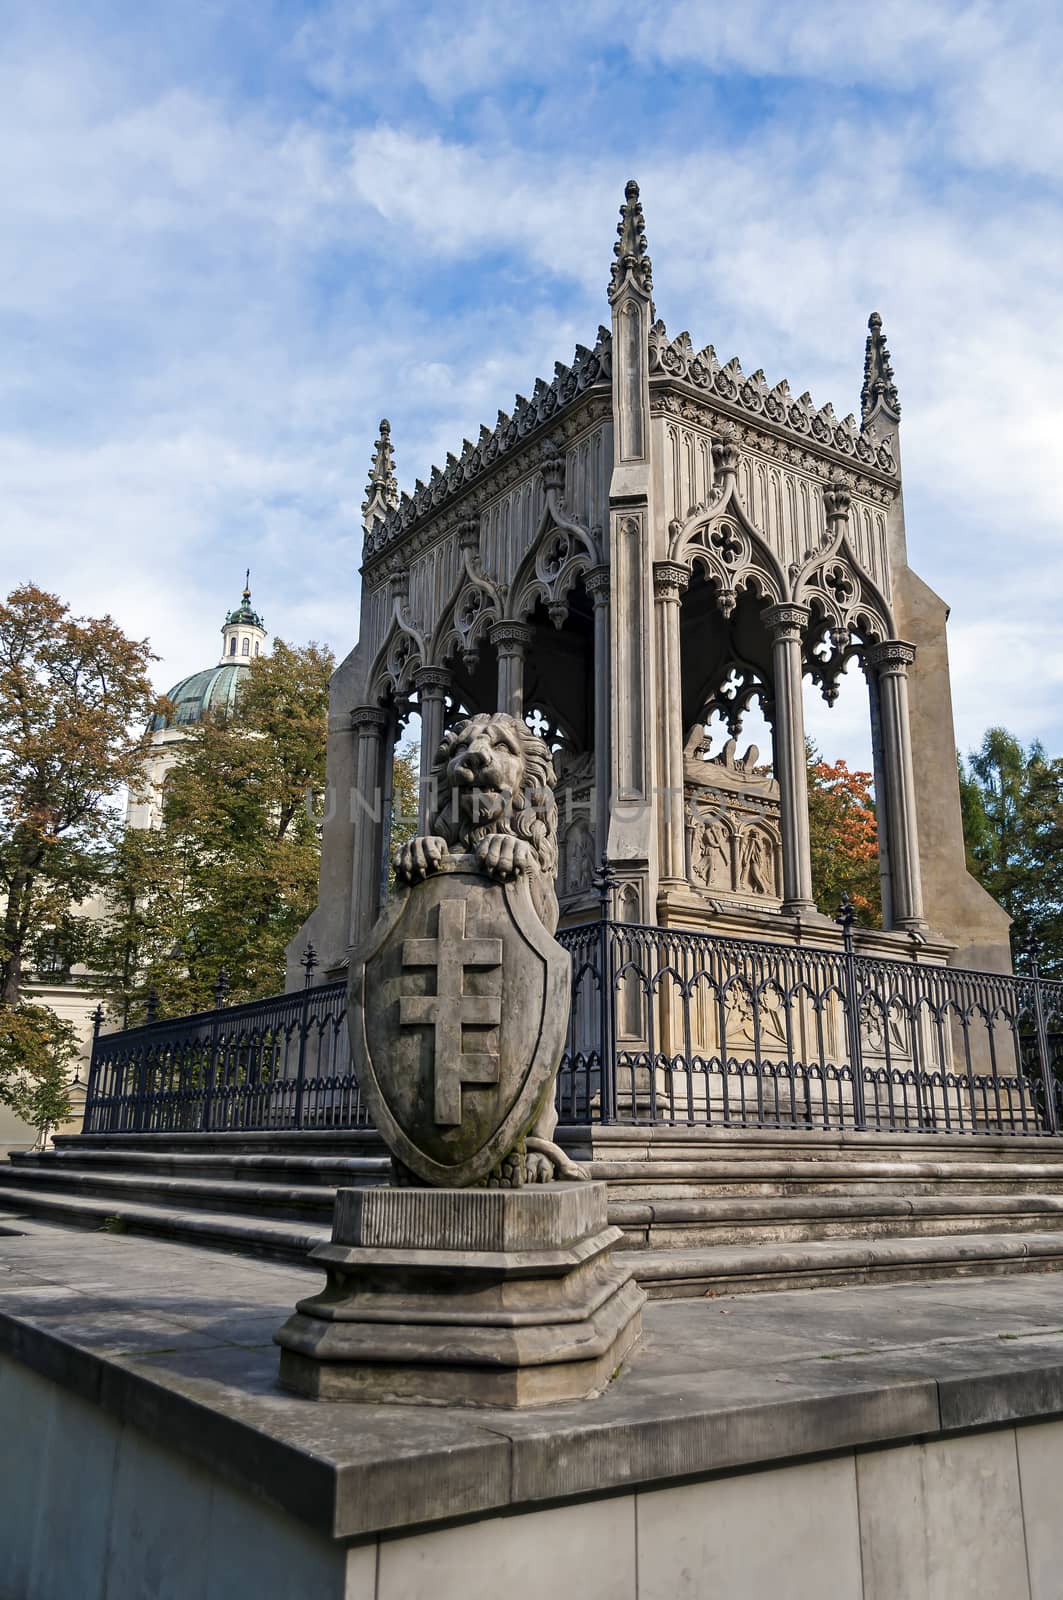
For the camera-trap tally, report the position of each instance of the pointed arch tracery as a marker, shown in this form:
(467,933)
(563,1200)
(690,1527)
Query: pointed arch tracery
(723,540)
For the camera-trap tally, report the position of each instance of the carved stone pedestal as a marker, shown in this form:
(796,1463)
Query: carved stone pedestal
(472,1297)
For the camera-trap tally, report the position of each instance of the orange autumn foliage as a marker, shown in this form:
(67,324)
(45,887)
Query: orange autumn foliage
(843,832)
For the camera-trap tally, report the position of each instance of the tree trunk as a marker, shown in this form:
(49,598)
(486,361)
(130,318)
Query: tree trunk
(14,936)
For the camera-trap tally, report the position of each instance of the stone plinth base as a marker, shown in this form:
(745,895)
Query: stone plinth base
(475,1297)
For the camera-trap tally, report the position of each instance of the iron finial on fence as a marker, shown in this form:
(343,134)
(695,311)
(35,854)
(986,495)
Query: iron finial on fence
(846,917)
(151,1007)
(221,989)
(1031,951)
(97,1020)
(603,882)
(308,961)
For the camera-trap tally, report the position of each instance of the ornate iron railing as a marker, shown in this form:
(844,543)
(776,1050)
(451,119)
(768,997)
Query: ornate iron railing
(280,1063)
(703,1030)
(692,1029)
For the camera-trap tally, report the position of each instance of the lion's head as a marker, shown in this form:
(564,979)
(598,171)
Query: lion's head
(493,775)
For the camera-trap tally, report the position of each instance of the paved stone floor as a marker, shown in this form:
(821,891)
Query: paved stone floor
(180,1340)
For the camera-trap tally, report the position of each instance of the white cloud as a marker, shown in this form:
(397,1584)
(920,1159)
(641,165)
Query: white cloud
(210,294)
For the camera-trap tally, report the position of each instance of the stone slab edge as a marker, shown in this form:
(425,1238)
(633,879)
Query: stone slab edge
(484,1465)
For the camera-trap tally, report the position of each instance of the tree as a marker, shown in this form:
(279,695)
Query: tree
(74,699)
(1011,801)
(843,832)
(405,784)
(37,1049)
(227,881)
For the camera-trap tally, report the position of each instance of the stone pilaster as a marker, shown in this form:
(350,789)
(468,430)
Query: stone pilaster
(888,663)
(670,581)
(786,624)
(432,685)
(596,582)
(371,725)
(511,641)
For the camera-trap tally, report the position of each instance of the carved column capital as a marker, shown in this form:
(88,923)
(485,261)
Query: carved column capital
(891,656)
(787,621)
(432,680)
(596,583)
(369,720)
(670,580)
(511,638)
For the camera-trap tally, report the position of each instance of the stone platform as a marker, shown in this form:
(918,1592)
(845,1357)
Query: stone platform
(895,1442)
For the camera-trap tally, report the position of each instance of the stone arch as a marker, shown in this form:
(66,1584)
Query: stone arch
(724,541)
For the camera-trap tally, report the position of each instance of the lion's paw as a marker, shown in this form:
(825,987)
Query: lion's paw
(420,858)
(502,856)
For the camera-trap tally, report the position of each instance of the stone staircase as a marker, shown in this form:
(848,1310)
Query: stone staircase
(708,1211)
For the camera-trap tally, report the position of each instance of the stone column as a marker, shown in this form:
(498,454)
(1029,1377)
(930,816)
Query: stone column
(786,623)
(670,580)
(889,662)
(370,725)
(511,640)
(432,685)
(596,583)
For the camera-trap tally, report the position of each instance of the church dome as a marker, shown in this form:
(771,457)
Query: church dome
(209,693)
(212,692)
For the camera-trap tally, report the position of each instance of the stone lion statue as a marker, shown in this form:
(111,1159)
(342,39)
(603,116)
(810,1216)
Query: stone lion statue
(495,780)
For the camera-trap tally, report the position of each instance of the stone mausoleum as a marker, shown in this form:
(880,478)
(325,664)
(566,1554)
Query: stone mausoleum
(652,538)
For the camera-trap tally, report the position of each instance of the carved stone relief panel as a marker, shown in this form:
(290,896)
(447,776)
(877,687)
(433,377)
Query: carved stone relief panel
(578,854)
(734,844)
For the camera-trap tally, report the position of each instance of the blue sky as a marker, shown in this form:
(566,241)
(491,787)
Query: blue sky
(237,232)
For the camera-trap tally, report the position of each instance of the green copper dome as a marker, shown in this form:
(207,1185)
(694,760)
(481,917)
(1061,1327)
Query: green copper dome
(209,693)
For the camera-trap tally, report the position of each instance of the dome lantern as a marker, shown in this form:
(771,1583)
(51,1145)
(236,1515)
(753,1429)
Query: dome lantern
(243,633)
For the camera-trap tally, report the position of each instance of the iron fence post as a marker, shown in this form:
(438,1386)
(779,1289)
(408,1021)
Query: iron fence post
(1031,952)
(92,1086)
(220,991)
(308,963)
(847,918)
(607,1099)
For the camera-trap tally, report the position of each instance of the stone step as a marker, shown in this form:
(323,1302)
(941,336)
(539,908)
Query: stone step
(261,1236)
(331,1171)
(290,1201)
(745,1269)
(685,1224)
(675,1144)
(664,1274)
(631,1180)
(343,1142)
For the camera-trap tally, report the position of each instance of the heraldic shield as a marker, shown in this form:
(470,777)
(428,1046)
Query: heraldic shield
(459,1003)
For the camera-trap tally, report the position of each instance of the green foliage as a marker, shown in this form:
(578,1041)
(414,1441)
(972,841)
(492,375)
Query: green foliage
(228,880)
(74,698)
(843,834)
(406,774)
(37,1050)
(1011,800)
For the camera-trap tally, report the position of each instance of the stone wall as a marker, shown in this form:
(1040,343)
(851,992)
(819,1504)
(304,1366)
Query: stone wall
(91,1506)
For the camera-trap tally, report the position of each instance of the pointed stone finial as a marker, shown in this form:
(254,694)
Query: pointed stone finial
(879,392)
(630,249)
(382,490)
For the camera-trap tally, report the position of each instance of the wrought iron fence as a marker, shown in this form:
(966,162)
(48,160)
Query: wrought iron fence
(280,1063)
(709,1031)
(691,1028)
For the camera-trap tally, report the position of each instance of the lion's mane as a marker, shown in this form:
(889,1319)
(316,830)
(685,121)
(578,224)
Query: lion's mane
(530,813)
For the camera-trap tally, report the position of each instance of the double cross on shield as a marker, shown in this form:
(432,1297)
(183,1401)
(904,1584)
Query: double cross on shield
(458,1010)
